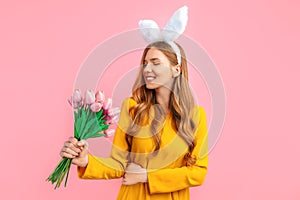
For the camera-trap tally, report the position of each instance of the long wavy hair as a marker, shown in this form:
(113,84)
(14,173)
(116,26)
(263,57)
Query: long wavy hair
(181,103)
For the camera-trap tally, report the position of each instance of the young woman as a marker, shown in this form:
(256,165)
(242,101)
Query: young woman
(160,145)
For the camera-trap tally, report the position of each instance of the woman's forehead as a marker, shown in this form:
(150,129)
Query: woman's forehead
(154,55)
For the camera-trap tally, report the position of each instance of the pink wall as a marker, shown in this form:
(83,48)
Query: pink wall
(255,46)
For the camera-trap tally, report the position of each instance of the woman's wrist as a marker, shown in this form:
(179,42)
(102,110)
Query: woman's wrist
(85,162)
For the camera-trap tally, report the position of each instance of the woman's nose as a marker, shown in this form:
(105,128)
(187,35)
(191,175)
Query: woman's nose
(147,68)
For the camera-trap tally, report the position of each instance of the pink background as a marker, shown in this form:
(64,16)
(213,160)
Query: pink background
(255,45)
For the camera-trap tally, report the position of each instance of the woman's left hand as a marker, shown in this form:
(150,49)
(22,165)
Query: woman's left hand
(134,174)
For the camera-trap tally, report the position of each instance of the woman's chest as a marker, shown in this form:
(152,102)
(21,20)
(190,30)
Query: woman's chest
(172,148)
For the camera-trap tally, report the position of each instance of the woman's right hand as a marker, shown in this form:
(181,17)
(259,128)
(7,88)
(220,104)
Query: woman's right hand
(77,150)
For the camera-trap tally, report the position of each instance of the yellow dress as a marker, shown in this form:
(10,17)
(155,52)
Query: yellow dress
(168,177)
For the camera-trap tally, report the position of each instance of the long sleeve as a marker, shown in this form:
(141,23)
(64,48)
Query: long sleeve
(114,166)
(170,180)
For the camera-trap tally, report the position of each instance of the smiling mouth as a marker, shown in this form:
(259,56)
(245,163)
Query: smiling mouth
(150,78)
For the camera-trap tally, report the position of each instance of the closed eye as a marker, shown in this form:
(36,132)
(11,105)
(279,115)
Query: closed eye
(145,64)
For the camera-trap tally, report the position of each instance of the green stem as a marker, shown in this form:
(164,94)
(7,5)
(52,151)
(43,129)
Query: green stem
(66,180)
(62,174)
(56,172)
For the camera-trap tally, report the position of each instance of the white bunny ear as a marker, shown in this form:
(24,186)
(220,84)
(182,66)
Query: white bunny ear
(176,24)
(150,30)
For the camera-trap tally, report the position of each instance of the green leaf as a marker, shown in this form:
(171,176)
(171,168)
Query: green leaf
(60,171)
(77,124)
(89,114)
(68,170)
(96,130)
(83,122)
(95,135)
(99,114)
(75,115)
(79,111)
(89,124)
(76,134)
(105,127)
(101,121)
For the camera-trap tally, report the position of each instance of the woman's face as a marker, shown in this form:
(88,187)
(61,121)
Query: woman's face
(157,70)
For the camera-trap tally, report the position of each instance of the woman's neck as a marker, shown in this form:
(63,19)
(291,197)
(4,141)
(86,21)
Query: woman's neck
(163,97)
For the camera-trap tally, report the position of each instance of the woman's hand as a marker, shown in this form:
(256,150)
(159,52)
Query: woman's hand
(77,150)
(134,174)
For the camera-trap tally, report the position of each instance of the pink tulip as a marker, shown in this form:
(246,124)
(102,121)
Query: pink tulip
(115,119)
(109,132)
(112,120)
(89,97)
(113,111)
(108,104)
(100,97)
(77,96)
(96,107)
(72,103)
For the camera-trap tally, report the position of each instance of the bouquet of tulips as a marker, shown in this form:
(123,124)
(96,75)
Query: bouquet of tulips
(92,117)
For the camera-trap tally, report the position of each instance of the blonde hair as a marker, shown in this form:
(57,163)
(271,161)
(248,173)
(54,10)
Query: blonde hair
(181,103)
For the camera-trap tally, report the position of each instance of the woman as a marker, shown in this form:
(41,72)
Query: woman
(160,144)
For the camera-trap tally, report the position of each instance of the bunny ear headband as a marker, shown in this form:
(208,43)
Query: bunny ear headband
(174,28)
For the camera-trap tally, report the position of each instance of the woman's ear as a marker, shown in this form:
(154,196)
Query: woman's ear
(176,70)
